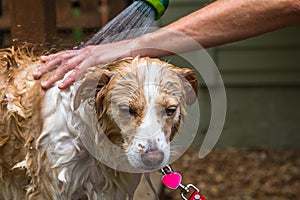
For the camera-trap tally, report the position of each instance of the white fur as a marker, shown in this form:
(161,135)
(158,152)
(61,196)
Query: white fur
(76,169)
(150,133)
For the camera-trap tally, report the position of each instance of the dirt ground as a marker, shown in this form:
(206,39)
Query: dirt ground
(241,174)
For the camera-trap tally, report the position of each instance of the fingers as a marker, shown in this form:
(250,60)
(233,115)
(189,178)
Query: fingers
(60,55)
(64,68)
(52,62)
(77,72)
(49,82)
(51,65)
(69,80)
(61,62)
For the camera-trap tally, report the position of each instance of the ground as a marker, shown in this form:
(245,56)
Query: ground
(241,174)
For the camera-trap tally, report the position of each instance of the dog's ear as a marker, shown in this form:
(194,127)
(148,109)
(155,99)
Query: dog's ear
(190,84)
(91,85)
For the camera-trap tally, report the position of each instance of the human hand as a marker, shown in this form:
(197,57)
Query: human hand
(79,61)
(63,62)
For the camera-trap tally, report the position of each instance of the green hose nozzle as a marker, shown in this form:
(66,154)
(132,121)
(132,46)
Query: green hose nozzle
(159,5)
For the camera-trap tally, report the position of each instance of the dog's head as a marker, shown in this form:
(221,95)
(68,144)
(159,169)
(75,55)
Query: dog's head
(140,104)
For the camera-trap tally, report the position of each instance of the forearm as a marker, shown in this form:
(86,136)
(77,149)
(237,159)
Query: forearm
(224,21)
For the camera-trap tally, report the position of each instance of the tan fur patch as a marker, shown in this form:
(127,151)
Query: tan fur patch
(20,123)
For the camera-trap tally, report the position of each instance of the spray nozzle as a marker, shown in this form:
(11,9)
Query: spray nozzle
(159,5)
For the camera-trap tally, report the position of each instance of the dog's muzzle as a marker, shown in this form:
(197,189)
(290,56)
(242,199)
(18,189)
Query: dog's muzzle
(152,158)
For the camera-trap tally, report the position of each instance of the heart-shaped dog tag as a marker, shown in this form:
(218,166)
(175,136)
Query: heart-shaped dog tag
(171,180)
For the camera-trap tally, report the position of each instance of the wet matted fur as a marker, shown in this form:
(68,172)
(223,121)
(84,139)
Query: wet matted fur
(41,154)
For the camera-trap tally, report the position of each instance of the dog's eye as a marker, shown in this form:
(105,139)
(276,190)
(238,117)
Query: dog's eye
(170,110)
(127,110)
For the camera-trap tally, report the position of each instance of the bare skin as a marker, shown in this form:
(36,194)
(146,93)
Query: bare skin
(221,22)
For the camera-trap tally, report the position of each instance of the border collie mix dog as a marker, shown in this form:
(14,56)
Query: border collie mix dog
(137,103)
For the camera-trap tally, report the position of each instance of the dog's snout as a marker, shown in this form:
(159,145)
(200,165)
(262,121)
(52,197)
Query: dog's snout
(153,157)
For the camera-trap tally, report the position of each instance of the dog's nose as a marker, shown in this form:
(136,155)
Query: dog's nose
(153,158)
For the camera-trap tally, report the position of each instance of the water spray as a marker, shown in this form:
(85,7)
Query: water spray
(139,16)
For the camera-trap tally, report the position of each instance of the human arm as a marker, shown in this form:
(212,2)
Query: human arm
(225,21)
(220,22)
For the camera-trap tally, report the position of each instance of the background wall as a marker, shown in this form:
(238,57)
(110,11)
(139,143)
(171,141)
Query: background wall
(262,79)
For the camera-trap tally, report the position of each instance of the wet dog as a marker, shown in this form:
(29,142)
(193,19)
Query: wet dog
(138,104)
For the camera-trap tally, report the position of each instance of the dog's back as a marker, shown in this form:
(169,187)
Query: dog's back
(20,123)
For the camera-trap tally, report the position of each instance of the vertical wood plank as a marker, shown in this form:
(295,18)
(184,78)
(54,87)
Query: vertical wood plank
(32,21)
(89,5)
(1,33)
(115,8)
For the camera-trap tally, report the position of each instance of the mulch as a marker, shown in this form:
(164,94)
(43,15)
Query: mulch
(241,174)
